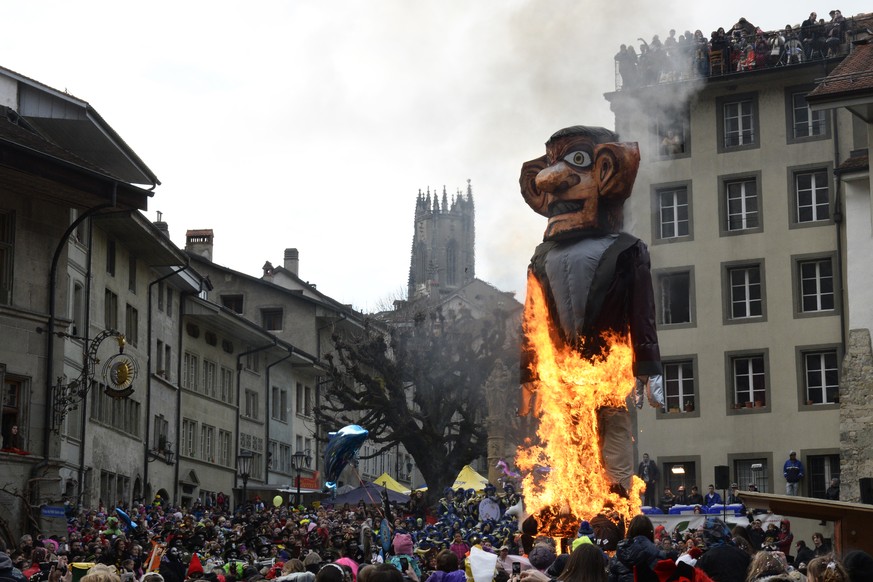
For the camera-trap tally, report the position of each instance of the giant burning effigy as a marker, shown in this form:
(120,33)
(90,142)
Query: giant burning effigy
(589,333)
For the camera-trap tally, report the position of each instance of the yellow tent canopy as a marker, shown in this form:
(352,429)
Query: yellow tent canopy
(468,478)
(387,481)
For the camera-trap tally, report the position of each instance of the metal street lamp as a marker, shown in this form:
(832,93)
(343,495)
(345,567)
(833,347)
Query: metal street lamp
(298,459)
(244,467)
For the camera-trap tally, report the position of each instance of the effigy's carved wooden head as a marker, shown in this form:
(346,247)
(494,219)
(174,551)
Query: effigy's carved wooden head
(581,183)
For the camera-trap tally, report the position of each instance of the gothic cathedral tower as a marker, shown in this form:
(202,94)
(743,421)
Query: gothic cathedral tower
(443,253)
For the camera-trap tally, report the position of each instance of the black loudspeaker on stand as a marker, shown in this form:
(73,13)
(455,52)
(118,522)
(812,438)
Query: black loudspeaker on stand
(722,477)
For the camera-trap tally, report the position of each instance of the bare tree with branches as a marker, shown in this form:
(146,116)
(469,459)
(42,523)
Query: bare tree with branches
(420,381)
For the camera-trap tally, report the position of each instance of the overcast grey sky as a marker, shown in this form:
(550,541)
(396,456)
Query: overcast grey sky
(313,124)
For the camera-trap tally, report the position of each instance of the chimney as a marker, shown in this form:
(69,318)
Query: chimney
(292,260)
(199,242)
(162,226)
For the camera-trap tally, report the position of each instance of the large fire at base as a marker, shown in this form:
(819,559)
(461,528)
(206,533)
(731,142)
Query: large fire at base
(565,480)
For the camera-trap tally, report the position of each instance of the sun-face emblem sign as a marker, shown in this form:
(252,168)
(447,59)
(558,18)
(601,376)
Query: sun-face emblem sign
(119,372)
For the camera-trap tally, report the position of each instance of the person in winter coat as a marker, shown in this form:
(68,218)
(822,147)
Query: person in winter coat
(784,538)
(637,555)
(172,568)
(8,571)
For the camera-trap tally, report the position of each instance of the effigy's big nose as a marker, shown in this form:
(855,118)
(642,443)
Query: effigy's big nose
(556,178)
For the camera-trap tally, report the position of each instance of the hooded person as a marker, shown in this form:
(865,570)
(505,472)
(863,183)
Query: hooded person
(404,551)
(172,568)
(8,571)
(784,537)
(195,568)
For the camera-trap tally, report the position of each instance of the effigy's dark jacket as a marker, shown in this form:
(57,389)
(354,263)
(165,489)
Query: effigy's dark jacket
(618,297)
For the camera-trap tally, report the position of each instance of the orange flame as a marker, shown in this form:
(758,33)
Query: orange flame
(565,479)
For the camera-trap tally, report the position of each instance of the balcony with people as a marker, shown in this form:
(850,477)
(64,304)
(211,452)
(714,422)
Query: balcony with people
(741,49)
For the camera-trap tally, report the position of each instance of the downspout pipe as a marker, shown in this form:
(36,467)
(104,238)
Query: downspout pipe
(148,410)
(50,335)
(269,393)
(239,358)
(838,222)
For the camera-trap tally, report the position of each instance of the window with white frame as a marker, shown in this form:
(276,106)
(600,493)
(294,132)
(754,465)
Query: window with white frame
(674,297)
(811,196)
(226,384)
(749,379)
(816,285)
(251,404)
(746,293)
(207,443)
(285,458)
(674,218)
(189,432)
(224,447)
(161,430)
(741,198)
(209,378)
(821,371)
(190,371)
(308,401)
(805,122)
(739,123)
(679,385)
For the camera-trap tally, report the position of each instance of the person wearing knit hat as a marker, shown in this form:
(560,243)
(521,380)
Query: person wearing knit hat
(542,556)
(403,554)
(195,568)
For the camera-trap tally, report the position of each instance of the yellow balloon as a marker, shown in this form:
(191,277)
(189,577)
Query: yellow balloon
(277,501)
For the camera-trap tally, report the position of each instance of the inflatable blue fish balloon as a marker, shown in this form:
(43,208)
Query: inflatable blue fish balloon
(342,447)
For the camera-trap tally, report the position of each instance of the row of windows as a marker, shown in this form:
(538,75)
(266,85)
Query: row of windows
(279,408)
(755,469)
(739,125)
(110,316)
(744,291)
(203,445)
(740,204)
(216,381)
(749,386)
(120,413)
(280,454)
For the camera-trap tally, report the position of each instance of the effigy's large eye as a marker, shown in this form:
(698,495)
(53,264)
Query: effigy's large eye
(579,158)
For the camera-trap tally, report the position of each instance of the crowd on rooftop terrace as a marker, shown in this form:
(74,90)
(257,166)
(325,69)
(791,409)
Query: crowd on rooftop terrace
(743,47)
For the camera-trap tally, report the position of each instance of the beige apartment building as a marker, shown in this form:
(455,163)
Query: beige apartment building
(738,200)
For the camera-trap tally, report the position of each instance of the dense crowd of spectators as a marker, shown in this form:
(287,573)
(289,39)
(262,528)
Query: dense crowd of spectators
(385,542)
(742,47)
